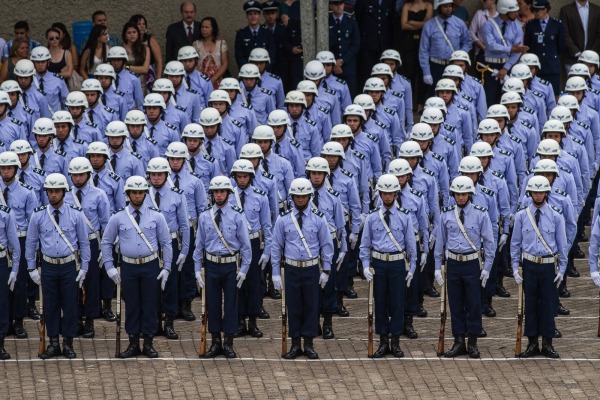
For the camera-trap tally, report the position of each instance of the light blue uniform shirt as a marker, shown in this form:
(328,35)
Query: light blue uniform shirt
(367,144)
(594,243)
(528,136)
(8,236)
(101,115)
(433,43)
(327,98)
(243,113)
(173,205)
(130,84)
(423,180)
(485,198)
(36,100)
(86,132)
(341,89)
(561,201)
(256,211)
(275,85)
(11,129)
(128,163)
(415,202)
(194,191)
(111,184)
(495,47)
(344,183)
(176,116)
(306,132)
(381,131)
(189,99)
(222,150)
(164,133)
(333,210)
(446,148)
(321,116)
(435,163)
(94,203)
(291,150)
(144,146)
(116,101)
(22,201)
(201,84)
(266,182)
(282,169)
(206,167)
(262,101)
(35,178)
(394,122)
(357,164)
(235,132)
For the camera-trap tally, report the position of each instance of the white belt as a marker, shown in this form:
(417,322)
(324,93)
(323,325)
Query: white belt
(302,264)
(463,257)
(2,253)
(496,60)
(220,259)
(438,61)
(255,235)
(173,235)
(93,235)
(142,260)
(538,260)
(346,216)
(22,233)
(387,256)
(57,261)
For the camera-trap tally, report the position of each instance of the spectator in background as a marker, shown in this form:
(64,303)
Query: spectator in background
(21,30)
(289,9)
(525,13)
(271,15)
(458,10)
(19,51)
(212,50)
(253,35)
(487,11)
(95,51)
(582,24)
(344,43)
(182,33)
(156,60)
(61,61)
(67,43)
(99,18)
(138,53)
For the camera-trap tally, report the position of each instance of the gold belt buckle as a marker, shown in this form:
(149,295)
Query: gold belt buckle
(387,256)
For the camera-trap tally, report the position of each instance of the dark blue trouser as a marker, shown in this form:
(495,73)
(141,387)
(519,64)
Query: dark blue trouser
(168,298)
(107,286)
(139,288)
(412,292)
(250,293)
(18,307)
(221,297)
(302,300)
(390,294)
(60,292)
(328,293)
(91,284)
(187,279)
(540,299)
(4,295)
(492,86)
(464,296)
(341,276)
(437,70)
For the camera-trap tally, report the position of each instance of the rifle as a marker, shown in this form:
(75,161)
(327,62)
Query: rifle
(283,315)
(443,312)
(42,324)
(203,317)
(370,317)
(118,334)
(520,311)
(599,315)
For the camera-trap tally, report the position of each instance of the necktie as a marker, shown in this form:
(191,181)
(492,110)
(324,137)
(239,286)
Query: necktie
(176,183)
(96,178)
(445,25)
(79,195)
(193,164)
(134,146)
(91,115)
(307,114)
(480,180)
(325,85)
(331,180)
(117,81)
(386,218)
(25,98)
(104,98)
(113,162)
(42,85)
(209,147)
(299,218)
(337,22)
(56,217)
(277,148)
(265,165)
(188,81)
(254,34)
(42,160)
(462,216)
(218,217)
(294,128)
(61,145)
(316,198)
(189,38)
(136,216)
(157,198)
(242,199)
(22,177)
(537,217)
(422,163)
(152,132)
(503,27)
(6,195)
(75,131)
(249,99)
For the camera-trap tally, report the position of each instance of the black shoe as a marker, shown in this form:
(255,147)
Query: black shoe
(295,350)
(253,329)
(309,350)
(3,353)
(384,347)
(67,349)
(19,329)
(395,347)
(409,330)
(458,348)
(564,293)
(275,294)
(489,311)
(241,329)
(472,347)
(32,312)
(573,273)
(133,350)
(532,350)
(548,349)
(228,346)
(582,238)
(351,293)
(107,312)
(483,333)
(80,327)
(501,291)
(342,312)
(88,329)
(557,334)
(327,326)
(170,332)
(186,311)
(578,253)
(432,292)
(263,314)
(53,349)
(421,311)
(216,347)
(562,310)
(148,348)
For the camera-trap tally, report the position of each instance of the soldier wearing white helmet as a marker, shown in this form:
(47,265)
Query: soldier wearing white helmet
(126,81)
(111,97)
(261,99)
(48,158)
(378,129)
(394,100)
(17,108)
(194,79)
(538,84)
(400,83)
(11,129)
(327,97)
(232,129)
(138,139)
(239,109)
(64,141)
(32,96)
(578,133)
(303,129)
(591,59)
(29,174)
(519,123)
(103,178)
(435,110)
(472,86)
(83,129)
(456,114)
(441,144)
(332,81)
(456,74)
(383,117)
(97,112)
(263,180)
(215,145)
(200,163)
(315,112)
(123,161)
(158,129)
(51,85)
(173,113)
(185,97)
(520,82)
(285,145)
(260,58)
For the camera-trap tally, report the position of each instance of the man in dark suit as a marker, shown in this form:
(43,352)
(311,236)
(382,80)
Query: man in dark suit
(344,43)
(279,66)
(184,32)
(545,37)
(580,36)
(253,35)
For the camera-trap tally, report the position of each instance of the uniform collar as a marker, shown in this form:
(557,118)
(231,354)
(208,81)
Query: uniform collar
(466,208)
(84,189)
(304,213)
(142,209)
(61,209)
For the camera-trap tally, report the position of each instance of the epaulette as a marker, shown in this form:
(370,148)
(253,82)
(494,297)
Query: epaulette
(536,93)
(404,77)
(261,192)
(575,156)
(449,208)
(389,111)
(268,175)
(16,121)
(516,139)
(236,123)
(498,174)
(576,140)
(74,207)
(60,153)
(110,110)
(40,208)
(4,208)
(475,79)
(93,125)
(593,90)
(41,92)
(206,78)
(181,108)
(248,106)
(311,122)
(449,128)
(374,210)
(119,93)
(583,124)
(330,91)
(416,192)
(333,192)
(317,212)
(208,157)
(294,143)
(266,91)
(437,156)
(236,208)
(118,210)
(78,141)
(505,152)
(397,94)
(558,210)
(114,176)
(475,206)
(403,210)
(487,191)
(527,124)
(170,125)
(544,82)
(347,173)
(467,97)
(193,91)
(277,77)
(359,155)
(229,142)
(567,170)
(561,192)
(39,171)
(324,110)
(136,155)
(28,110)
(154,209)
(461,107)
(380,124)
(195,174)
(373,138)
(340,80)
(177,190)
(449,140)
(529,172)
(528,110)
(428,171)
(26,186)
(151,140)
(286,212)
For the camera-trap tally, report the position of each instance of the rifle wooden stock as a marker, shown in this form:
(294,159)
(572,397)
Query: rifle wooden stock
(118,320)
(598,314)
(370,318)
(443,312)
(520,311)
(283,314)
(42,325)
(203,317)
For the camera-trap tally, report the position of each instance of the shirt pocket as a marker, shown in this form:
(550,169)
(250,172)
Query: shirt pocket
(126,232)
(311,232)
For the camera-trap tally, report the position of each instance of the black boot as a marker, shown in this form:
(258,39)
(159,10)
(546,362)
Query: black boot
(228,346)
(500,290)
(396,351)
(421,311)
(67,350)
(88,329)
(309,350)
(170,332)
(148,349)
(295,350)
(384,347)
(472,346)
(409,330)
(52,350)
(3,354)
(133,350)
(186,311)
(328,326)
(20,332)
(262,313)
(273,293)
(107,312)
(241,330)
(253,329)
(350,292)
(562,310)
(32,311)
(488,310)
(458,349)
(216,347)
(548,349)
(80,327)
(533,348)
(341,311)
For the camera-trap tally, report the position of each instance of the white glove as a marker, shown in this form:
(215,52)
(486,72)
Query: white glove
(431,241)
(12,278)
(558,279)
(353,238)
(340,260)
(502,241)
(323,280)
(363,219)
(484,277)
(438,277)
(595,277)
(80,277)
(264,259)
(240,279)
(162,277)
(180,261)
(517,277)
(35,276)
(277,284)
(409,278)
(114,275)
(423,261)
(428,80)
(368,275)
(199,279)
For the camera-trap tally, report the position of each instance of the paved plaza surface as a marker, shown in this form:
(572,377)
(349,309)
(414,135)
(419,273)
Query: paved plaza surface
(344,371)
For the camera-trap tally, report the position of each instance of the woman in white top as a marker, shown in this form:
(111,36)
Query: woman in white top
(95,51)
(213,51)
(476,28)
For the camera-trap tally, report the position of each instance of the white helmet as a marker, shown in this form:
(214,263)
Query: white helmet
(44,126)
(436,102)
(24,68)
(174,68)
(154,100)
(80,165)
(521,71)
(317,164)
(98,148)
(116,52)
(460,55)
(531,59)
(382,69)
(40,53)
(187,53)
(62,117)
(437,3)
(340,131)
(399,167)
(242,166)
(177,150)
(4,98)
(481,149)
(136,183)
(210,117)
(506,6)
(263,132)
(410,149)
(538,183)
(10,86)
(158,164)
(488,126)
(249,71)
(56,181)
(135,117)
(462,184)
(76,99)
(193,131)
(219,96)
(21,146)
(295,97)
(561,113)
(251,150)
(546,165)
(365,101)
(301,187)
(388,183)
(230,84)
(91,85)
(307,86)
(333,149)
(116,129)
(259,54)
(421,131)
(374,84)
(568,101)
(445,84)
(590,57)
(453,71)
(355,109)
(513,85)
(105,70)
(579,69)
(391,54)
(511,98)
(553,125)
(8,159)
(470,164)
(432,116)
(548,147)
(314,70)
(277,118)
(325,57)
(163,85)
(497,111)
(575,83)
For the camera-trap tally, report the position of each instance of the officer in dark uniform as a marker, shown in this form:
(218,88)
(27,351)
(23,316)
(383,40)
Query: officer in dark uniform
(293,49)
(253,35)
(344,43)
(545,37)
(279,66)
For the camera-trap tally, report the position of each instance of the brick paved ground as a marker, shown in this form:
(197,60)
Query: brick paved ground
(344,371)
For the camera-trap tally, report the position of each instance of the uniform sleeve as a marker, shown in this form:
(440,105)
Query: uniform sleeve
(266,224)
(103,210)
(440,242)
(325,244)
(594,245)
(244,238)
(13,241)
(513,58)
(32,240)
(200,199)
(410,242)
(108,238)
(83,241)
(561,243)
(354,206)
(137,91)
(365,244)
(200,244)
(490,40)
(515,243)
(424,46)
(489,244)
(277,247)
(423,222)
(184,225)
(340,223)
(164,239)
